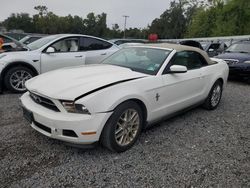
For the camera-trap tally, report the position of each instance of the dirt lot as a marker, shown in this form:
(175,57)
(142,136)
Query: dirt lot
(197,149)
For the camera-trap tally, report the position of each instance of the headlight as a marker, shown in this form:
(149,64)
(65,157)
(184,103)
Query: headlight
(247,61)
(71,107)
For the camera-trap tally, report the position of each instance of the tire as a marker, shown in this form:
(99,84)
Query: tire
(120,137)
(214,97)
(15,78)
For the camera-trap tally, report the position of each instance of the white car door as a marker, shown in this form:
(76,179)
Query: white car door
(65,52)
(181,90)
(96,50)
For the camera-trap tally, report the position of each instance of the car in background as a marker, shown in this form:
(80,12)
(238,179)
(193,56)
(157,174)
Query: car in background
(191,43)
(213,48)
(30,38)
(113,101)
(50,53)
(123,41)
(10,44)
(237,57)
(125,45)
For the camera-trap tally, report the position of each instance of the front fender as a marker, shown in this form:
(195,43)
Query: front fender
(28,58)
(108,99)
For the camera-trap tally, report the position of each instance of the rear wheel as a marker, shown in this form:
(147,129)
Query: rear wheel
(16,77)
(214,96)
(123,128)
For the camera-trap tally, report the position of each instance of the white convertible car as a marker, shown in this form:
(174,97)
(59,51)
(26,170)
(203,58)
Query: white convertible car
(113,101)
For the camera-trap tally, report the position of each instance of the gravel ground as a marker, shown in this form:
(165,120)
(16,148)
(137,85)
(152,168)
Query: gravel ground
(197,149)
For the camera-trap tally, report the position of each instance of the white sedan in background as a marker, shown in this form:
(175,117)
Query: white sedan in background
(49,53)
(113,101)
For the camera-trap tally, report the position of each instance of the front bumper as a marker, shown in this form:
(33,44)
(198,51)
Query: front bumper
(1,77)
(61,125)
(237,70)
(1,85)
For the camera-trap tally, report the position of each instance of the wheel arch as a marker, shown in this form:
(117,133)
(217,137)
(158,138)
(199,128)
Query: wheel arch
(207,102)
(220,80)
(143,107)
(15,64)
(105,133)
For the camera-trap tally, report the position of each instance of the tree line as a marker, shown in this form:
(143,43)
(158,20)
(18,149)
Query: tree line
(46,22)
(184,18)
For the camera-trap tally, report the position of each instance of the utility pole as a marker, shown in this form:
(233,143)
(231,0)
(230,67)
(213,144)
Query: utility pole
(125,23)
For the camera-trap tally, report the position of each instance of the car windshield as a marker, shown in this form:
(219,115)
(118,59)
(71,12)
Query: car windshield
(204,45)
(24,39)
(140,59)
(239,47)
(41,42)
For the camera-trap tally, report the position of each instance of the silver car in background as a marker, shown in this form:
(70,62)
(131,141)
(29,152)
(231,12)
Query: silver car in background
(50,53)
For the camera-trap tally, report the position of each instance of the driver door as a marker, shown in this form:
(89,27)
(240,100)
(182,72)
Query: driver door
(181,90)
(66,53)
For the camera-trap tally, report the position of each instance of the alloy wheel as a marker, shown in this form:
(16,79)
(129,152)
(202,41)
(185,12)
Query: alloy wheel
(127,127)
(18,79)
(216,95)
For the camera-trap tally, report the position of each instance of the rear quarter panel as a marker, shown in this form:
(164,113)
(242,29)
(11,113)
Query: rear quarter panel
(216,71)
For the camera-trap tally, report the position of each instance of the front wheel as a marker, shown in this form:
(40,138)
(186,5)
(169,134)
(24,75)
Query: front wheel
(123,128)
(214,96)
(16,77)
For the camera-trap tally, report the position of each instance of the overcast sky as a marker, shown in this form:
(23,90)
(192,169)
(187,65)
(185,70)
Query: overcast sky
(141,12)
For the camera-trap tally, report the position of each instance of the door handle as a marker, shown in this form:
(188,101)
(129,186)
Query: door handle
(104,54)
(78,56)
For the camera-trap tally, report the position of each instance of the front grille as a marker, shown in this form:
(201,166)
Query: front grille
(45,102)
(231,61)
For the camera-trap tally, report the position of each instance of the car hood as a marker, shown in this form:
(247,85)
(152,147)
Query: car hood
(239,56)
(70,83)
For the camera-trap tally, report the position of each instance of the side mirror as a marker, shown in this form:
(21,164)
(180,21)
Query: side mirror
(50,50)
(178,69)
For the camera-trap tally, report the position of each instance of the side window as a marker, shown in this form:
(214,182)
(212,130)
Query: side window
(214,46)
(6,40)
(66,45)
(88,44)
(31,39)
(190,59)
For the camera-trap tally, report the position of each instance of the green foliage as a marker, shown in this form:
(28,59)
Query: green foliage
(223,18)
(171,23)
(202,23)
(184,18)
(42,10)
(174,21)
(209,18)
(23,21)
(95,25)
(46,22)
